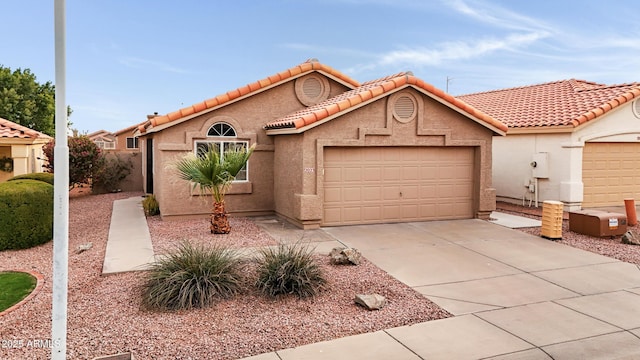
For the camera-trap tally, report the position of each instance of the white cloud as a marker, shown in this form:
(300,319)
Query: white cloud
(497,16)
(138,63)
(456,50)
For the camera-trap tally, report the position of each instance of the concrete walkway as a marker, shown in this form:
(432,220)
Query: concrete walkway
(513,295)
(129,246)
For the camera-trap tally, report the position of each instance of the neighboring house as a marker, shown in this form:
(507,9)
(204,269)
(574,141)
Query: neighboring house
(125,139)
(124,144)
(104,139)
(332,151)
(120,140)
(20,150)
(582,137)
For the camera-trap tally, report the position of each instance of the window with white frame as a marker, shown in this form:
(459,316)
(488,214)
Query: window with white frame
(132,143)
(105,144)
(222,136)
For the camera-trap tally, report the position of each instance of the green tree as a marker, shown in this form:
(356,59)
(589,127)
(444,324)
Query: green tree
(25,101)
(213,173)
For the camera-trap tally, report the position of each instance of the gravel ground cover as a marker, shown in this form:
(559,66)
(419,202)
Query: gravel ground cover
(607,246)
(104,315)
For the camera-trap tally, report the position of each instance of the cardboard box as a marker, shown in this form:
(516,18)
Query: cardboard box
(597,223)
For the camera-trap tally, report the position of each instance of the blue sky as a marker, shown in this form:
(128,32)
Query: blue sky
(127,59)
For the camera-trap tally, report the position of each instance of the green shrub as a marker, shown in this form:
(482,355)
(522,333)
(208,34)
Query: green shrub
(192,277)
(41,176)
(150,205)
(289,269)
(26,214)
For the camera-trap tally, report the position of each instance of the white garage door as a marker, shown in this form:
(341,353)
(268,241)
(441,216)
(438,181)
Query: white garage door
(610,173)
(364,185)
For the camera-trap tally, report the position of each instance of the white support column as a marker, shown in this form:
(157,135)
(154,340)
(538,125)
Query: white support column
(61,195)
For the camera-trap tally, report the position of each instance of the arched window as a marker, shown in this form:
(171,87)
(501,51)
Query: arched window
(223,136)
(221,129)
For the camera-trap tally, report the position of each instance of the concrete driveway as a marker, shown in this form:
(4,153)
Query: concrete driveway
(514,295)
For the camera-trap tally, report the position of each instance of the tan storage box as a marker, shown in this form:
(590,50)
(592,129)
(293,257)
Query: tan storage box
(597,223)
(552,220)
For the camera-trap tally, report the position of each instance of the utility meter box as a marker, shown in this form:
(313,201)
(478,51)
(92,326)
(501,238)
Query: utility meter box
(597,223)
(540,165)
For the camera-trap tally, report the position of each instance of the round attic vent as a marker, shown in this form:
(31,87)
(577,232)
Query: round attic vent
(312,89)
(636,108)
(404,108)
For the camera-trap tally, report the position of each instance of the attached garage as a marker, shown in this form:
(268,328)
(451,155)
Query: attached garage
(611,173)
(396,184)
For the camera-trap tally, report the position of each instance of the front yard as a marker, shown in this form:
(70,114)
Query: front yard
(104,315)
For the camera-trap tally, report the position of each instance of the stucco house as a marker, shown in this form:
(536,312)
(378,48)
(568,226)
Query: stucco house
(121,140)
(331,151)
(104,139)
(20,150)
(572,140)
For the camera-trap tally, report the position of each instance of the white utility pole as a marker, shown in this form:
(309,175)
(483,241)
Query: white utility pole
(60,194)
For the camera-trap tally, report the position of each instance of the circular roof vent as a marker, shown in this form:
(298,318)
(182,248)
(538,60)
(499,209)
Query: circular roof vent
(312,89)
(404,108)
(636,108)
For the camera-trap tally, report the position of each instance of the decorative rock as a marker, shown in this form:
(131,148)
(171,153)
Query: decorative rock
(345,256)
(630,238)
(84,247)
(371,302)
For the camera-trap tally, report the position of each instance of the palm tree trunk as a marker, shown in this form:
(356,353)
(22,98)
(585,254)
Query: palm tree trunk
(219,220)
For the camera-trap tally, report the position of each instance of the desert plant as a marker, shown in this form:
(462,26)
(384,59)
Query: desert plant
(109,172)
(26,214)
(40,176)
(289,269)
(192,277)
(213,173)
(150,205)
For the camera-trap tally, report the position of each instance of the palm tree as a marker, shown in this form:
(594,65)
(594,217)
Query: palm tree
(213,173)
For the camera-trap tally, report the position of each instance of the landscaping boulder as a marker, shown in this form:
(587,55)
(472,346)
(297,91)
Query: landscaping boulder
(371,302)
(630,238)
(345,256)
(84,247)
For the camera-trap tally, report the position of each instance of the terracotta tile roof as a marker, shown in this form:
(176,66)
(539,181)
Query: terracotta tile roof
(371,90)
(565,103)
(10,129)
(248,90)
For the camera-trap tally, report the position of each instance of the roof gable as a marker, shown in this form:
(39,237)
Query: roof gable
(559,104)
(371,91)
(311,65)
(9,129)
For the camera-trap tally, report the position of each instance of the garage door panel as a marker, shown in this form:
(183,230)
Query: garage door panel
(410,173)
(391,173)
(398,184)
(371,173)
(410,192)
(352,194)
(391,193)
(332,174)
(370,193)
(610,173)
(332,195)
